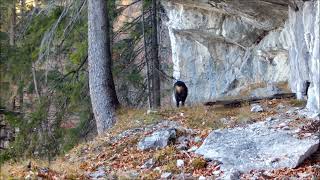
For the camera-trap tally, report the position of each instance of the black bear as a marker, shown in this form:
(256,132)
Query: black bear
(180,92)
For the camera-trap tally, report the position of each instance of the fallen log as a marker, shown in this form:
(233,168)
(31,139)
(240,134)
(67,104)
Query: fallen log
(7,112)
(250,100)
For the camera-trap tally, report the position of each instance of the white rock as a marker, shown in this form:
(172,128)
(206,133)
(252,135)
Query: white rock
(297,130)
(149,111)
(157,169)
(286,128)
(166,175)
(216,173)
(256,108)
(269,118)
(148,164)
(303,175)
(224,120)
(280,106)
(281,125)
(180,163)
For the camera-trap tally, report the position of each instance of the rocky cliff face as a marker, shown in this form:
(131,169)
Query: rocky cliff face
(304,51)
(222,48)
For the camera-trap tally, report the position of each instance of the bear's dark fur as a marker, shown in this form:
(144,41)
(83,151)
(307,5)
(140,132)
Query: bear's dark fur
(180,92)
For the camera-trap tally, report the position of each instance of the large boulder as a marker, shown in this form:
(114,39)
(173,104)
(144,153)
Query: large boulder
(158,139)
(262,145)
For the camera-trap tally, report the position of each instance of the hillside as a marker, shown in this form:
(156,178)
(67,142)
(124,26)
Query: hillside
(160,89)
(116,155)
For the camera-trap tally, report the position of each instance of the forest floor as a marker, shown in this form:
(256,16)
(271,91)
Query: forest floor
(116,151)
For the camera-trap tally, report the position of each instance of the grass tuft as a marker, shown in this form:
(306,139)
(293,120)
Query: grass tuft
(198,163)
(297,102)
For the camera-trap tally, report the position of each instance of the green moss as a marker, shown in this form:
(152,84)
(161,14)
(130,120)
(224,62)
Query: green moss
(297,102)
(198,163)
(165,156)
(171,167)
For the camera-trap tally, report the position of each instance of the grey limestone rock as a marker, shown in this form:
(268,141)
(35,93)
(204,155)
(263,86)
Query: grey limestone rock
(158,139)
(256,108)
(220,47)
(166,175)
(270,90)
(258,146)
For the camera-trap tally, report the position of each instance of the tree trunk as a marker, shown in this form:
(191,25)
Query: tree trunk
(146,59)
(12,31)
(110,82)
(155,59)
(102,90)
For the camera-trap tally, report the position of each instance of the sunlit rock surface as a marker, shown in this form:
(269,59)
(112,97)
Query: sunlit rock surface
(263,145)
(220,47)
(218,53)
(304,51)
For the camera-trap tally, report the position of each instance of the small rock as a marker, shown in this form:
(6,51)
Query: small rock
(280,106)
(192,149)
(157,169)
(183,139)
(303,175)
(281,125)
(269,119)
(166,175)
(224,120)
(148,164)
(158,139)
(182,147)
(297,130)
(256,108)
(180,163)
(293,111)
(197,139)
(267,173)
(307,135)
(30,175)
(316,166)
(151,111)
(216,173)
(202,178)
(286,128)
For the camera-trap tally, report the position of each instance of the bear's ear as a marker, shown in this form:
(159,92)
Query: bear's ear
(179,89)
